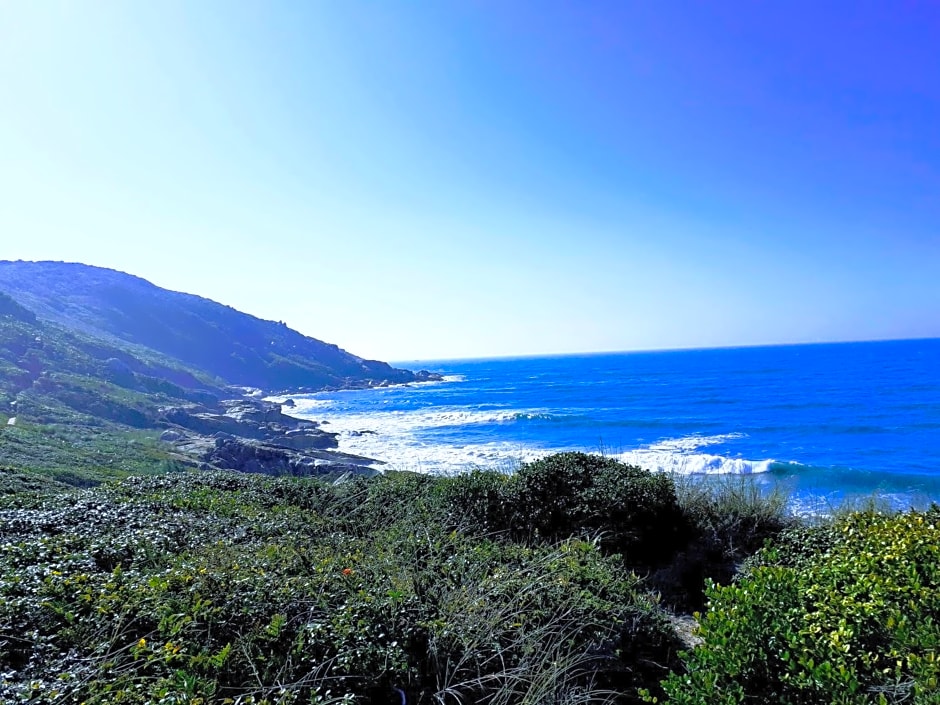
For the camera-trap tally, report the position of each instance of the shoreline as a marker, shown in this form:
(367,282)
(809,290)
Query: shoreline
(813,490)
(826,422)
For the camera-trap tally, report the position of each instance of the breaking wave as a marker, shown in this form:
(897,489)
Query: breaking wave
(678,456)
(399,439)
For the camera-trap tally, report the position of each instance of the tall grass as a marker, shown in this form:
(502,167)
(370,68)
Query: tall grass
(734,512)
(728,518)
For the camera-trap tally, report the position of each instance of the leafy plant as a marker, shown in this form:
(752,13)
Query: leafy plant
(852,620)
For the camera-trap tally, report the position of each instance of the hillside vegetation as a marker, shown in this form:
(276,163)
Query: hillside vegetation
(221,587)
(83,409)
(539,587)
(217,340)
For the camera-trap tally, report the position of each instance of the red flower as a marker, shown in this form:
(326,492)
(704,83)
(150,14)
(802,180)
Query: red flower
(347,571)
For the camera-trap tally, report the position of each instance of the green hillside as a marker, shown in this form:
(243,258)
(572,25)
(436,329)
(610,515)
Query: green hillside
(82,409)
(217,340)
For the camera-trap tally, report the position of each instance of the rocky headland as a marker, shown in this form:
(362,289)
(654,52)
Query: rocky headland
(93,360)
(251,435)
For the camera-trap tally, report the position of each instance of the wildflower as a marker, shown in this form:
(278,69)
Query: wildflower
(347,571)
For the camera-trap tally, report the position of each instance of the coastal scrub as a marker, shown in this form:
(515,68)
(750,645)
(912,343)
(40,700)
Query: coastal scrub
(844,612)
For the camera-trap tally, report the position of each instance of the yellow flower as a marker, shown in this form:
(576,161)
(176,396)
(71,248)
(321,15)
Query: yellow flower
(142,644)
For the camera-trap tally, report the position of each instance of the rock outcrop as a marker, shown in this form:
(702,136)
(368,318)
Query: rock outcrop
(247,455)
(248,418)
(249,435)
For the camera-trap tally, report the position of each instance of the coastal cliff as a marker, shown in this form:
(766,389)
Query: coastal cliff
(92,360)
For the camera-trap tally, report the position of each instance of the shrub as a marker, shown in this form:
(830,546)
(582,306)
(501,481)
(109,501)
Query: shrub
(856,622)
(477,502)
(633,511)
(733,512)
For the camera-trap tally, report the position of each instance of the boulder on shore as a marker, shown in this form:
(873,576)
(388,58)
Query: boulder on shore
(245,455)
(249,435)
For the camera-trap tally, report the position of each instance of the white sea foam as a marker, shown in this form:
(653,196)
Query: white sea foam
(402,450)
(403,421)
(303,406)
(688,443)
(677,455)
(694,463)
(395,437)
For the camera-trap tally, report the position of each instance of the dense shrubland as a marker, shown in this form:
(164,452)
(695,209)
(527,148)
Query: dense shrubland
(181,587)
(847,611)
(550,585)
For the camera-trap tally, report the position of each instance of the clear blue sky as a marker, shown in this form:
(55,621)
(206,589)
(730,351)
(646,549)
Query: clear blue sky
(416,180)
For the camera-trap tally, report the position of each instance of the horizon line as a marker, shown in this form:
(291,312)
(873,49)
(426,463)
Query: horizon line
(637,351)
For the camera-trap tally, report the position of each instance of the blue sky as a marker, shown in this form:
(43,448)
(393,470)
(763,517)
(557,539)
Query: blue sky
(420,180)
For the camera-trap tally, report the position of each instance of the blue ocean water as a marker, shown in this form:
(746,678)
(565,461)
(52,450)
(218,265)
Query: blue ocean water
(827,420)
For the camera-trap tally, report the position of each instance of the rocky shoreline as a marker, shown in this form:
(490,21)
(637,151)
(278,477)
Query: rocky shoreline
(251,435)
(417,378)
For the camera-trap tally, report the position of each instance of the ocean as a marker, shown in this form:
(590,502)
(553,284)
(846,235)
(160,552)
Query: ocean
(826,421)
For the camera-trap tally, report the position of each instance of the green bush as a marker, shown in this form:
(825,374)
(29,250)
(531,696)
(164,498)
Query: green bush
(633,511)
(854,619)
(733,513)
(478,502)
(681,531)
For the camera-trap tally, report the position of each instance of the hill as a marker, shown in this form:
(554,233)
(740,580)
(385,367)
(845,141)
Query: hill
(215,339)
(79,407)
(104,374)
